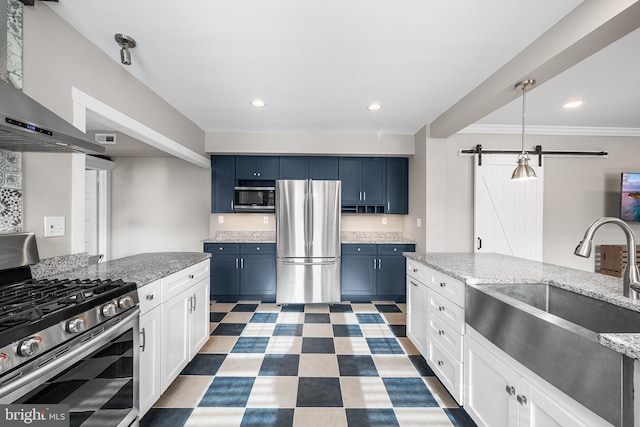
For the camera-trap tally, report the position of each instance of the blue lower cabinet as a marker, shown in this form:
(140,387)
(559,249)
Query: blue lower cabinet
(374,272)
(242,271)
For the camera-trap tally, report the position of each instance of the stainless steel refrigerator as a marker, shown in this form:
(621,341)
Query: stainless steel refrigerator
(308,225)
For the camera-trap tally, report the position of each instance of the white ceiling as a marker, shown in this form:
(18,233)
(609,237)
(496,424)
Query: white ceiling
(318,64)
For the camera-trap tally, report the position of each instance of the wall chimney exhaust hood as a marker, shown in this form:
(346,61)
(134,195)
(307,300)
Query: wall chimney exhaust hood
(25,125)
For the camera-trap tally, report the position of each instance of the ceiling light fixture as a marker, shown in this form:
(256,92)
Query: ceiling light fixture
(374,107)
(523,171)
(125,42)
(258,103)
(572,104)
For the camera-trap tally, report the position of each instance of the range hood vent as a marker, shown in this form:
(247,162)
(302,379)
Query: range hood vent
(25,125)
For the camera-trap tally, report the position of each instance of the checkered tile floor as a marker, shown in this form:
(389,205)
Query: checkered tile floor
(307,365)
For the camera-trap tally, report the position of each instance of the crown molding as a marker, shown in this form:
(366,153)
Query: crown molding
(552,130)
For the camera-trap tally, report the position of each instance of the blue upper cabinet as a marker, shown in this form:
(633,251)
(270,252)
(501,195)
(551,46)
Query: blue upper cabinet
(364,184)
(350,177)
(263,168)
(397,185)
(324,168)
(294,167)
(301,167)
(374,180)
(223,181)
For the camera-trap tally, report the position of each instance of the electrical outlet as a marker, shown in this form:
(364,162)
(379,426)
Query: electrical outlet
(419,222)
(384,221)
(53,226)
(220,219)
(266,220)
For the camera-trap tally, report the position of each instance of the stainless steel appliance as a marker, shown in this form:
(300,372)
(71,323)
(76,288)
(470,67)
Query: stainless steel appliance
(254,199)
(67,341)
(308,225)
(25,125)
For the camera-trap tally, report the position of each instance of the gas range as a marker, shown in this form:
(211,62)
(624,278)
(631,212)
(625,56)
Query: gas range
(68,342)
(39,315)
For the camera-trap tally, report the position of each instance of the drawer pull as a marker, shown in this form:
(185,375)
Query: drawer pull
(191,276)
(441,332)
(440,308)
(257,248)
(443,285)
(522,399)
(414,284)
(221,248)
(440,363)
(150,297)
(415,270)
(510,390)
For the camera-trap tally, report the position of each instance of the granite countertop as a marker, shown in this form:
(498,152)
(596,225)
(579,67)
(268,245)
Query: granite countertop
(478,269)
(142,268)
(270,237)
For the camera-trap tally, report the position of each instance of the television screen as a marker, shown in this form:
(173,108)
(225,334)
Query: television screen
(630,197)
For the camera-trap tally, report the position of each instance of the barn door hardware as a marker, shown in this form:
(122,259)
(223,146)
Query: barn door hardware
(538,152)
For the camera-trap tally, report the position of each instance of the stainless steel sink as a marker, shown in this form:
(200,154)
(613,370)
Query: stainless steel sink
(554,333)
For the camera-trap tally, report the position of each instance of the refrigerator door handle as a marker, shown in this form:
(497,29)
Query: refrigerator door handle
(310,218)
(327,262)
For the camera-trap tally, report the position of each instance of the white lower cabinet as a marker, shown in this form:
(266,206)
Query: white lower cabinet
(500,392)
(150,387)
(174,325)
(417,300)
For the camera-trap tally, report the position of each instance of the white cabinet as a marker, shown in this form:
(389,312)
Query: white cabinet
(446,331)
(174,325)
(417,305)
(150,387)
(500,392)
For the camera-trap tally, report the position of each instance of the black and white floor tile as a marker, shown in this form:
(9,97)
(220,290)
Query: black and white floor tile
(304,366)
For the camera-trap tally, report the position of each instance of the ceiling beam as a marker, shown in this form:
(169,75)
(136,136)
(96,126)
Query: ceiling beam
(590,27)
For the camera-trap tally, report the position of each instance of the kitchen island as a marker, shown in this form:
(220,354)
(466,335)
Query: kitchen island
(460,318)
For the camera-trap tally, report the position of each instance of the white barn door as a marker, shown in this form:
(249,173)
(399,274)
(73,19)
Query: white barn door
(507,214)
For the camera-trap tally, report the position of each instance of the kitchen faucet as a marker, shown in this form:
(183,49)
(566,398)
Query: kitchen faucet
(630,277)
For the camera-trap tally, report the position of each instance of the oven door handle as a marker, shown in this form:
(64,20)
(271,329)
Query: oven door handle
(73,356)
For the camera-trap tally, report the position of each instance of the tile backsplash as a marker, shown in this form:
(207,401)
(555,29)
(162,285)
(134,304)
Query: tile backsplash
(10,191)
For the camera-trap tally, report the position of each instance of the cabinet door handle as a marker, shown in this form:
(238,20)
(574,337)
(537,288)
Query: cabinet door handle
(443,285)
(510,390)
(236,263)
(150,297)
(364,196)
(440,308)
(415,270)
(195,301)
(375,262)
(232,205)
(241,262)
(143,334)
(191,276)
(441,332)
(479,243)
(440,363)
(522,399)
(360,196)
(379,264)
(190,304)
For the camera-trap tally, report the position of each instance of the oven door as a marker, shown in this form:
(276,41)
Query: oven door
(97,377)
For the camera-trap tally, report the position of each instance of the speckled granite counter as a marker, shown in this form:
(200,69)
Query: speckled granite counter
(270,237)
(142,268)
(481,269)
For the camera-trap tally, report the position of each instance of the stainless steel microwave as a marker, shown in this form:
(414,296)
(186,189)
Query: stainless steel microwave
(255,199)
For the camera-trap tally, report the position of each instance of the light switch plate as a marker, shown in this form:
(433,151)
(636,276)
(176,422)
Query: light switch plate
(220,219)
(384,220)
(419,222)
(266,220)
(53,226)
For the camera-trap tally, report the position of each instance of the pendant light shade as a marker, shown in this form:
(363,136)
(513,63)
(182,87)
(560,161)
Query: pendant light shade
(523,171)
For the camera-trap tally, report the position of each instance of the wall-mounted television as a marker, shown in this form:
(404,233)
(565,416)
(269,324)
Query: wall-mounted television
(630,197)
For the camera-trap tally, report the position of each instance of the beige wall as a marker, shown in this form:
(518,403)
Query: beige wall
(417,192)
(46,184)
(576,191)
(309,143)
(158,204)
(57,58)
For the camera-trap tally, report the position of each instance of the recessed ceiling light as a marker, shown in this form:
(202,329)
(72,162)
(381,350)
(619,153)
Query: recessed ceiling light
(374,107)
(572,104)
(258,103)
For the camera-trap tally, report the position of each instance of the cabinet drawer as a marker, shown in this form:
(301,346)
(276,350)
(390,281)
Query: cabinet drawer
(446,336)
(395,249)
(354,249)
(149,296)
(449,287)
(258,248)
(446,310)
(447,368)
(417,270)
(222,248)
(175,283)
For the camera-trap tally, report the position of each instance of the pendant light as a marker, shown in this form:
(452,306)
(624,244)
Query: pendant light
(523,171)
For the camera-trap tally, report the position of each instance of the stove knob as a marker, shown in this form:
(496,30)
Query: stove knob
(110,309)
(76,325)
(4,359)
(29,347)
(126,302)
